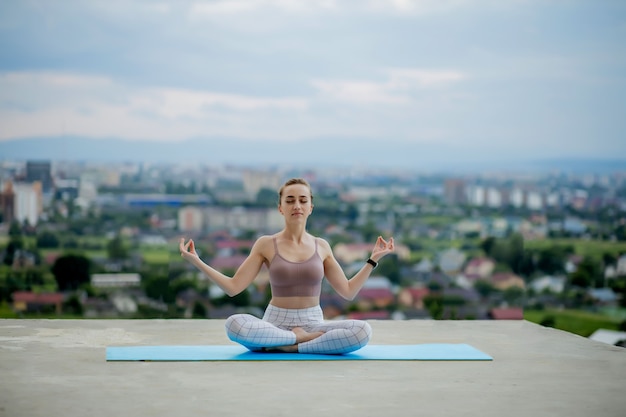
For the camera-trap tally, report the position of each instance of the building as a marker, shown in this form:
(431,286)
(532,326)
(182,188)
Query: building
(255,181)
(190,219)
(242,218)
(7,203)
(454,191)
(40,171)
(28,202)
(115,280)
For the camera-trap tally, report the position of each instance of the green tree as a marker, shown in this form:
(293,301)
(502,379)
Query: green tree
(552,260)
(47,240)
(15,230)
(484,288)
(389,267)
(267,198)
(618,285)
(116,248)
(352,213)
(240,300)
(158,287)
(588,274)
(514,296)
(15,243)
(434,305)
(488,245)
(199,310)
(71,271)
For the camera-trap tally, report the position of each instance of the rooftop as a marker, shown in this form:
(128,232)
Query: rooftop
(58,368)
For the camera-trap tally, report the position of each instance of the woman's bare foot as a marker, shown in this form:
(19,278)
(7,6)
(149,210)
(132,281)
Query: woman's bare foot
(304,336)
(301,337)
(281,349)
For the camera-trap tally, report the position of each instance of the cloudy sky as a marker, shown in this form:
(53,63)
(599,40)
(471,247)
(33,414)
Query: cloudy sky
(462,78)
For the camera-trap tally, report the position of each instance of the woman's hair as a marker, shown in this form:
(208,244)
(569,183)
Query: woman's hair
(292,182)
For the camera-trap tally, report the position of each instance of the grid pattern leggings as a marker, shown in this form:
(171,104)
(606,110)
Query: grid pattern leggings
(274,329)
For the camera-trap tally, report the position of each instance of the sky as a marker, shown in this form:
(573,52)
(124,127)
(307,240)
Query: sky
(459,79)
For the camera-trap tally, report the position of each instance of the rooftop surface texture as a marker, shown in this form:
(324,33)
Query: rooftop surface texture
(58,368)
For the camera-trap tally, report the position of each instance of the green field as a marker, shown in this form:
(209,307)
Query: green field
(574,321)
(593,248)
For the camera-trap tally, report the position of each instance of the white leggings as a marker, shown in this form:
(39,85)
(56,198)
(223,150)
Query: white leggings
(341,336)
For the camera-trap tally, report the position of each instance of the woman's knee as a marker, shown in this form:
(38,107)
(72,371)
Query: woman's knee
(363,331)
(236,322)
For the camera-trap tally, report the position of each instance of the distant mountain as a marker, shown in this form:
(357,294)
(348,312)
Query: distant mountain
(310,153)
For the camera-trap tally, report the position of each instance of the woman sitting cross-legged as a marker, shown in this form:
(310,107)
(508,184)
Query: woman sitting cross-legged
(297,263)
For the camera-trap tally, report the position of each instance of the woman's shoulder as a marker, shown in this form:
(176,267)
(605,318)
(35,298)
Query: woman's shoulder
(322,243)
(264,240)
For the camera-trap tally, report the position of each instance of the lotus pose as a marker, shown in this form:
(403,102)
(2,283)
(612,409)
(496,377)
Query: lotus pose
(297,262)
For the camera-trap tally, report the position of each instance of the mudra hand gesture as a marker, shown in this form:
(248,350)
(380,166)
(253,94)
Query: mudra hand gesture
(382,248)
(187,250)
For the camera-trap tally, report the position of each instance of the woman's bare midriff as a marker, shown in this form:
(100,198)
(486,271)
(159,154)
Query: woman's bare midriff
(295,302)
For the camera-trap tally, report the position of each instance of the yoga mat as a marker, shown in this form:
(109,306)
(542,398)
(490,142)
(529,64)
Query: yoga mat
(421,352)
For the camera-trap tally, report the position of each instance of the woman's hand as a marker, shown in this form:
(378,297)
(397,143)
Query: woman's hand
(382,248)
(188,250)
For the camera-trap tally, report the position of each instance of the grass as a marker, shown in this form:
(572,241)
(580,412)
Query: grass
(579,322)
(156,255)
(6,312)
(583,247)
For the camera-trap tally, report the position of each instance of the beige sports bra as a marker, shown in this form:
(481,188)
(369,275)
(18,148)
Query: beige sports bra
(296,279)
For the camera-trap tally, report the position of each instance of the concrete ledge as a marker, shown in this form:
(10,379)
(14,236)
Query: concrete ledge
(58,368)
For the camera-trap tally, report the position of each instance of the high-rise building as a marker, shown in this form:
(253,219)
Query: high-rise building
(28,202)
(40,171)
(7,203)
(454,191)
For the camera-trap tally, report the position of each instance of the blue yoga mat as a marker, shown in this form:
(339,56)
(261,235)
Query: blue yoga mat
(421,352)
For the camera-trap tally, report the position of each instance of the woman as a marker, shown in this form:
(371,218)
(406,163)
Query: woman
(297,263)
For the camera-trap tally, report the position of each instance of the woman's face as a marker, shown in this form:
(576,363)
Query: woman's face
(296,202)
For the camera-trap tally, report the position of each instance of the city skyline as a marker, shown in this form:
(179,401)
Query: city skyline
(439,84)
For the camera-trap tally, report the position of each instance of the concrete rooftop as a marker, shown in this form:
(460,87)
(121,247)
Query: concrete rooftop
(58,368)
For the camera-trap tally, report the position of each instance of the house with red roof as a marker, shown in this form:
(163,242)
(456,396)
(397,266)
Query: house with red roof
(374,298)
(29,301)
(479,268)
(504,280)
(507,313)
(413,297)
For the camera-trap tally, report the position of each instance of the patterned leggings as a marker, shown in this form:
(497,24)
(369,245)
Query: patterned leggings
(341,336)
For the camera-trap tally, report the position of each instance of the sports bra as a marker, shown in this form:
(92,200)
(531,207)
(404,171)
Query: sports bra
(293,279)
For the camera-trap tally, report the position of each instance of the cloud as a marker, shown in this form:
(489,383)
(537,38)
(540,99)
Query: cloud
(56,103)
(517,75)
(398,88)
(53,103)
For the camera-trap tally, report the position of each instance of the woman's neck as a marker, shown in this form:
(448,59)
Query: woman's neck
(296,235)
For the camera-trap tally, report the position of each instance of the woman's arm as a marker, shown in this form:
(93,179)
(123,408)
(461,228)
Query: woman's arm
(246,273)
(349,288)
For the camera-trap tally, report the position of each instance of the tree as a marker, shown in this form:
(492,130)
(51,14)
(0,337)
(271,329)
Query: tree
(47,240)
(588,274)
(71,271)
(116,248)
(15,244)
(487,245)
(15,230)
(508,251)
(199,310)
(551,260)
(352,213)
(390,268)
(484,288)
(514,296)
(158,288)
(267,198)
